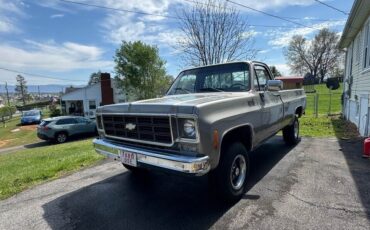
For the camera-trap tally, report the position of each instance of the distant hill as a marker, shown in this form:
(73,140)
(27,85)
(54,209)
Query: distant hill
(33,88)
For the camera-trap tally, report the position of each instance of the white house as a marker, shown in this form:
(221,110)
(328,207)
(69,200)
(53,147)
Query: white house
(84,101)
(355,41)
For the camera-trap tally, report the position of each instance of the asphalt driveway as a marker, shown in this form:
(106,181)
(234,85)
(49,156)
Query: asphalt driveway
(319,184)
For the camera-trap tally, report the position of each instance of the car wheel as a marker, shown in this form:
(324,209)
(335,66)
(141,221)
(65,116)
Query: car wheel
(230,177)
(61,137)
(291,133)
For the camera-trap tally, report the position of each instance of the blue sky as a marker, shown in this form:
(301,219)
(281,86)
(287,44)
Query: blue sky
(69,41)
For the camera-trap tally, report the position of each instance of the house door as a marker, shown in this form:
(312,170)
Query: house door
(363,118)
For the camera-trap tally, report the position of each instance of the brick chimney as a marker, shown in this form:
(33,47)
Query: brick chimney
(106,89)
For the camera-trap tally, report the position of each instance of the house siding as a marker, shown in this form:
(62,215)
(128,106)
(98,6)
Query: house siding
(356,102)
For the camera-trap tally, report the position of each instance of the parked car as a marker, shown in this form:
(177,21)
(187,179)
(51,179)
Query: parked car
(209,121)
(60,129)
(31,117)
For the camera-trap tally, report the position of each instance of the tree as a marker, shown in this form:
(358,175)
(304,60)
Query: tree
(214,33)
(21,88)
(275,71)
(94,78)
(316,57)
(140,69)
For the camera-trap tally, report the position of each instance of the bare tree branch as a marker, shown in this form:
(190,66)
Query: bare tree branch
(214,33)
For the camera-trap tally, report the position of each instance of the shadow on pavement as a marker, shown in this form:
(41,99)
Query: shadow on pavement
(359,167)
(154,201)
(38,144)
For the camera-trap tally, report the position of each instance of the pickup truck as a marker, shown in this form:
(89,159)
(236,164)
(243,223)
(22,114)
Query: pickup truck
(207,123)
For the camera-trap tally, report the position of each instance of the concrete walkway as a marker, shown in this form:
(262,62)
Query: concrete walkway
(20,147)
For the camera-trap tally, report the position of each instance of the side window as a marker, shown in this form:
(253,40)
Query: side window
(82,120)
(262,76)
(67,121)
(186,83)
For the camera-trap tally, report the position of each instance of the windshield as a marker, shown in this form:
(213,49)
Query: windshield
(31,113)
(232,77)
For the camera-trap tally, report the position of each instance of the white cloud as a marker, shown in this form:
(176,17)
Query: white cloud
(57,16)
(129,27)
(263,51)
(281,38)
(8,12)
(282,68)
(53,57)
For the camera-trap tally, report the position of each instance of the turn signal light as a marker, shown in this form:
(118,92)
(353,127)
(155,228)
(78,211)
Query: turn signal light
(215,139)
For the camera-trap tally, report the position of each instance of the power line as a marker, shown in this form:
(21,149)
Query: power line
(332,7)
(268,14)
(295,18)
(43,76)
(117,9)
(39,75)
(152,14)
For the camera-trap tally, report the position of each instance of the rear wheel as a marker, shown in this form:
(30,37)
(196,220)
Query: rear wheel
(229,179)
(291,133)
(61,137)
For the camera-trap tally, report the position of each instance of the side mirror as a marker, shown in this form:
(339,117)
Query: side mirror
(274,85)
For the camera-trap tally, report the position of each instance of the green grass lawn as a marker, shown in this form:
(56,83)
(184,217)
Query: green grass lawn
(13,134)
(324,99)
(27,168)
(325,126)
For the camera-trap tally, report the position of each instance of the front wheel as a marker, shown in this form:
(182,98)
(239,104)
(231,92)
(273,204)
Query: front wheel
(229,179)
(61,137)
(291,133)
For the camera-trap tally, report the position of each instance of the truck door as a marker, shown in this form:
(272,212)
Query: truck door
(272,106)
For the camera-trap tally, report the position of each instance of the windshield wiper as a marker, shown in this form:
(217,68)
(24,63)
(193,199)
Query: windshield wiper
(211,89)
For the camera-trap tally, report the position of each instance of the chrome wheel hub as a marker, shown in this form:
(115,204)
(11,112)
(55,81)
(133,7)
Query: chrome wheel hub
(238,172)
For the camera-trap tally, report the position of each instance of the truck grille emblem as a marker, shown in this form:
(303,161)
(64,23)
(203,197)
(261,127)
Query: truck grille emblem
(130,126)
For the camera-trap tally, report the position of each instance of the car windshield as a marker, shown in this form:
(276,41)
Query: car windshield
(31,113)
(232,77)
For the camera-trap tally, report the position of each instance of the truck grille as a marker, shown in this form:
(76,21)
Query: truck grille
(155,129)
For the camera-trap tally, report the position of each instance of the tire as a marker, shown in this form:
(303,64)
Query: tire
(291,133)
(61,137)
(134,170)
(230,177)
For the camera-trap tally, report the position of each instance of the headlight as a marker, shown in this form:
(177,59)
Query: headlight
(187,128)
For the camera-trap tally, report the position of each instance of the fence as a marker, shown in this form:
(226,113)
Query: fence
(323,104)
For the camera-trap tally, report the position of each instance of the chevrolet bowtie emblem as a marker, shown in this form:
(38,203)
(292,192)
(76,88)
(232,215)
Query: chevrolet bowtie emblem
(130,126)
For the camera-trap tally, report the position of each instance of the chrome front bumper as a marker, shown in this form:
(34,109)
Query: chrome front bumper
(185,164)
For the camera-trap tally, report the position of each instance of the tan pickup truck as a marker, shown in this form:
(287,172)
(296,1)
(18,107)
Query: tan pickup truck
(208,122)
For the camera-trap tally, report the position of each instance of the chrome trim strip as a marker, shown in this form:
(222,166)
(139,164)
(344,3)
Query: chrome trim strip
(184,164)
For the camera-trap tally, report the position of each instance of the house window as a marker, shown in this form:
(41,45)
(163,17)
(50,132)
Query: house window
(92,105)
(367,46)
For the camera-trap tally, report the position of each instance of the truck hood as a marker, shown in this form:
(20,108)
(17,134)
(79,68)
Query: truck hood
(183,103)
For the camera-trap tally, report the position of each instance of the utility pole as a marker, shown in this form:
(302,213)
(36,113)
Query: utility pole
(22,92)
(38,89)
(7,93)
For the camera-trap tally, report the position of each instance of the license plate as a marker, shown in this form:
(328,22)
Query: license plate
(128,158)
